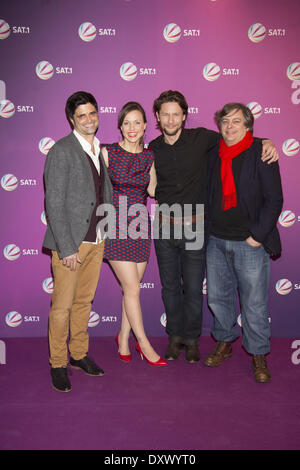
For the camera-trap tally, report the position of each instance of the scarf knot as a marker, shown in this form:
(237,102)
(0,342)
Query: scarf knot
(226,155)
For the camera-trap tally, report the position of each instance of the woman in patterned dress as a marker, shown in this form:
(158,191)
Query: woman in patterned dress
(132,174)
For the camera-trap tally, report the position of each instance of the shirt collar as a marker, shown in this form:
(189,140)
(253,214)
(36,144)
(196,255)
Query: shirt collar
(85,144)
(181,139)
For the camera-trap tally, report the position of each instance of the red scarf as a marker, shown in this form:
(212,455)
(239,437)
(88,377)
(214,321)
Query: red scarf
(227,154)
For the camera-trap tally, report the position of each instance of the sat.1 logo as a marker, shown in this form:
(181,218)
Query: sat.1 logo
(255,109)
(4,29)
(293,71)
(287,218)
(44,70)
(128,71)
(13,319)
(9,182)
(87,31)
(12,252)
(7,109)
(257,32)
(172,32)
(290,147)
(211,72)
(284,286)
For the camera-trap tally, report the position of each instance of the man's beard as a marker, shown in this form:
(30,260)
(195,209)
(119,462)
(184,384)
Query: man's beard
(172,133)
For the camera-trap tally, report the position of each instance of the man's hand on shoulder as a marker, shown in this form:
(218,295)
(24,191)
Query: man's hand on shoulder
(269,152)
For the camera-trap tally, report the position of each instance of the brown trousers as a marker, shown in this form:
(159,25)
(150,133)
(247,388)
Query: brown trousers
(71,303)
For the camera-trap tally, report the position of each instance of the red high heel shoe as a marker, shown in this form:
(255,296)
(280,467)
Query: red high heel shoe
(123,357)
(159,362)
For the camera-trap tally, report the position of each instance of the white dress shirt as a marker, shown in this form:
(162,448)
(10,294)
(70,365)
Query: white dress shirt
(88,148)
(95,159)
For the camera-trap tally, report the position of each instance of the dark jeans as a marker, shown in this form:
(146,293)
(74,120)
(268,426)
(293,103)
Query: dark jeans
(181,274)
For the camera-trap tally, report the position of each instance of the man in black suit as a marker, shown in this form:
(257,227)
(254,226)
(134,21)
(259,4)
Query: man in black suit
(244,200)
(77,183)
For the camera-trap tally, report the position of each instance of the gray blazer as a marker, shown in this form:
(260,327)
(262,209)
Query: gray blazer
(69,195)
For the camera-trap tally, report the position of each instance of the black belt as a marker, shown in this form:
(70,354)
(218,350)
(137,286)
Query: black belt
(179,220)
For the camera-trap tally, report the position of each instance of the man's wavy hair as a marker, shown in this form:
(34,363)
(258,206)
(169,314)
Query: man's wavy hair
(77,99)
(227,108)
(171,96)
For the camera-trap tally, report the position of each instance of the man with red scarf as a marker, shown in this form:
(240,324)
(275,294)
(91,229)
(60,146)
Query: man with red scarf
(244,200)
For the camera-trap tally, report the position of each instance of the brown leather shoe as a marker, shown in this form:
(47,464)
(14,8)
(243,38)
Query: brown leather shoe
(173,351)
(261,371)
(222,351)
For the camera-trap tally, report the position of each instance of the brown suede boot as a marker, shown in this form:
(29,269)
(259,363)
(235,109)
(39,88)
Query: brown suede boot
(261,371)
(222,351)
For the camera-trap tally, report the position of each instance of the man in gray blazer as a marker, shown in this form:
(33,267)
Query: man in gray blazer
(76,184)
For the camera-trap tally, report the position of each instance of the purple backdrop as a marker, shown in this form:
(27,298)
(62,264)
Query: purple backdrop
(212,51)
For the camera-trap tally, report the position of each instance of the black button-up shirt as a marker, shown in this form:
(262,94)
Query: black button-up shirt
(181,167)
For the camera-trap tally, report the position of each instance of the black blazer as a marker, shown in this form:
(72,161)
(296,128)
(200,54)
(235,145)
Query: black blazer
(260,195)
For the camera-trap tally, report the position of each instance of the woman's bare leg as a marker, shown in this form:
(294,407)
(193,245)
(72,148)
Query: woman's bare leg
(130,275)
